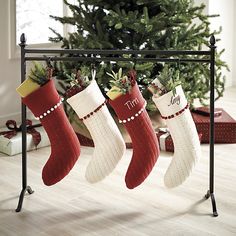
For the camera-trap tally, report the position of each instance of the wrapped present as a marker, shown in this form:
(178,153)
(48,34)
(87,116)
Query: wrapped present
(165,140)
(86,139)
(88,142)
(225,126)
(11,139)
(163,136)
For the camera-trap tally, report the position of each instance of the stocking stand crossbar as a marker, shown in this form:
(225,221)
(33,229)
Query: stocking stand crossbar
(116,55)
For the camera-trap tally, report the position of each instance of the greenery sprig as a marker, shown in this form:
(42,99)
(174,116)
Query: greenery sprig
(122,83)
(40,74)
(79,80)
(166,81)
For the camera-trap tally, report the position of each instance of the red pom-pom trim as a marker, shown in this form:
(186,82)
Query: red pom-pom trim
(94,111)
(176,114)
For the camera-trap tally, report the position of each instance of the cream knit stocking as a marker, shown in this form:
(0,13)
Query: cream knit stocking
(174,109)
(90,106)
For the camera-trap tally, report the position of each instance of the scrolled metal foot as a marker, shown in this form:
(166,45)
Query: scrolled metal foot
(21,198)
(213,202)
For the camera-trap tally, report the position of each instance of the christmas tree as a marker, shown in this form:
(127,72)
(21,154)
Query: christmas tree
(141,24)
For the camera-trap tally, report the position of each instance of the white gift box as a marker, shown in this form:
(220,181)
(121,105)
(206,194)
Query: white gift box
(13,146)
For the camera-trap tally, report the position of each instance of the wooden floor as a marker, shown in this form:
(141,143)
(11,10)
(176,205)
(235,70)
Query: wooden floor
(75,207)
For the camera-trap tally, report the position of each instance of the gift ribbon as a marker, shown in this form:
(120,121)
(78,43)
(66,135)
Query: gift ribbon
(163,137)
(30,129)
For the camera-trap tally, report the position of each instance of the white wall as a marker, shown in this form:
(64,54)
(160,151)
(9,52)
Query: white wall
(227,11)
(10,71)
(227,19)
(206,2)
(234,51)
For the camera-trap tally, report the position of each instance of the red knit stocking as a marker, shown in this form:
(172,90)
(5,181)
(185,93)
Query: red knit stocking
(130,109)
(45,104)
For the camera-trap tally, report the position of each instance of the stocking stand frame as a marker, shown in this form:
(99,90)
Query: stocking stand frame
(116,55)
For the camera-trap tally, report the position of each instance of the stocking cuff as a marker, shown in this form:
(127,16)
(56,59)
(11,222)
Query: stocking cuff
(87,101)
(49,111)
(43,101)
(128,105)
(170,104)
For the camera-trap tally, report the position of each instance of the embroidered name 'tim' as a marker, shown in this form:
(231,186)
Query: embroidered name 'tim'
(131,103)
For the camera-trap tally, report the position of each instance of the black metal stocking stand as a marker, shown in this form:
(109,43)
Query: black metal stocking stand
(116,55)
(210,192)
(25,188)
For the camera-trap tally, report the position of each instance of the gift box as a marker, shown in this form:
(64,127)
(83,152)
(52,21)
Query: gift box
(86,139)
(165,140)
(225,126)
(11,139)
(88,142)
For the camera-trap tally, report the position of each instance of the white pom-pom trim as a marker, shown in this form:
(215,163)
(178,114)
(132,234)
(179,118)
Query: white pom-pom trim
(50,110)
(133,116)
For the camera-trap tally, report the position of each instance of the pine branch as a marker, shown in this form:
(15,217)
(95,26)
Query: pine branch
(38,74)
(143,24)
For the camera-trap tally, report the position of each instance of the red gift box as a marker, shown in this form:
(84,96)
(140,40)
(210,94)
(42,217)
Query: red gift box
(164,139)
(85,141)
(225,127)
(88,142)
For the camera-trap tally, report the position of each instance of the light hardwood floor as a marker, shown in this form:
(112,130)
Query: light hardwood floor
(75,207)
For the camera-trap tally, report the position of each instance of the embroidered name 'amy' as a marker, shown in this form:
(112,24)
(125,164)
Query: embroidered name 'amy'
(174,100)
(131,103)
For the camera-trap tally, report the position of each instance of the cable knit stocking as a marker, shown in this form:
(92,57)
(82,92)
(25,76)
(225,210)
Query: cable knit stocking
(91,108)
(130,109)
(46,105)
(174,109)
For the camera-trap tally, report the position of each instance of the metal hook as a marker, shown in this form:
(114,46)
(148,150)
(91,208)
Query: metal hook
(49,66)
(93,70)
(48,61)
(178,68)
(135,61)
(179,62)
